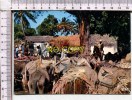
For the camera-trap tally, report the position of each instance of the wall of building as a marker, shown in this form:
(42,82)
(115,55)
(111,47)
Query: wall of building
(37,44)
(107,49)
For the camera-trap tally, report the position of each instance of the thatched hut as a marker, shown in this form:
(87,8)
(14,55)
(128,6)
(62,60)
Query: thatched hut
(110,43)
(61,41)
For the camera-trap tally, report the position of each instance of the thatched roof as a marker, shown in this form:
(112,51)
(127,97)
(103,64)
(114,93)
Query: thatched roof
(38,39)
(72,40)
(106,39)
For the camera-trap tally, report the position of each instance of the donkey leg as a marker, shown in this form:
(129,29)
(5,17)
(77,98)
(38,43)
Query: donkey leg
(40,85)
(31,86)
(24,84)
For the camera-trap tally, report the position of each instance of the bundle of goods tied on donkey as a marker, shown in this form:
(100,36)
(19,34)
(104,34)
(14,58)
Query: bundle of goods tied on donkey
(82,79)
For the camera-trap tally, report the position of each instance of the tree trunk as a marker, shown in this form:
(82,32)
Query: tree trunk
(86,41)
(22,24)
(81,27)
(84,36)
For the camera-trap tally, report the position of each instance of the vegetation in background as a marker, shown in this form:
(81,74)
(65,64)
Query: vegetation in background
(115,24)
(67,27)
(18,32)
(51,26)
(22,18)
(48,26)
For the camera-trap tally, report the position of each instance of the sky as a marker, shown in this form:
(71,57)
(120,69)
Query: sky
(58,14)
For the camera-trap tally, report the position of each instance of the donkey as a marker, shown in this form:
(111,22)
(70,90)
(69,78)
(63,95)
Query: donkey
(37,72)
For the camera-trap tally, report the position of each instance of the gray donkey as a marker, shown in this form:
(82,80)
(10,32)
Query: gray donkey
(34,75)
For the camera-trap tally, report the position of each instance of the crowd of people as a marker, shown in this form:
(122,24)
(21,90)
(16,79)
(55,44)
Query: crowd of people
(26,49)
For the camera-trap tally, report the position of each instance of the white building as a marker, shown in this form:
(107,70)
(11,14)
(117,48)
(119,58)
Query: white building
(39,40)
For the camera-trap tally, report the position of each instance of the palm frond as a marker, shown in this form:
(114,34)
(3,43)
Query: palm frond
(26,22)
(16,18)
(30,16)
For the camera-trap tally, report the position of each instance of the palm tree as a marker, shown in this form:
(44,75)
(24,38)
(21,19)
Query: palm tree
(23,17)
(67,27)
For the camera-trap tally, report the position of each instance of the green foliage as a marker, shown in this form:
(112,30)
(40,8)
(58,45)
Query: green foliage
(30,32)
(115,24)
(17,28)
(18,33)
(67,27)
(48,26)
(23,17)
(51,26)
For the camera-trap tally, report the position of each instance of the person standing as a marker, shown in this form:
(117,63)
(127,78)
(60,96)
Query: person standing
(101,46)
(39,50)
(26,50)
(98,50)
(31,48)
(22,49)
(16,51)
(63,53)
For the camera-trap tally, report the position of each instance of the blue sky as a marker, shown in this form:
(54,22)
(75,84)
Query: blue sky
(58,14)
